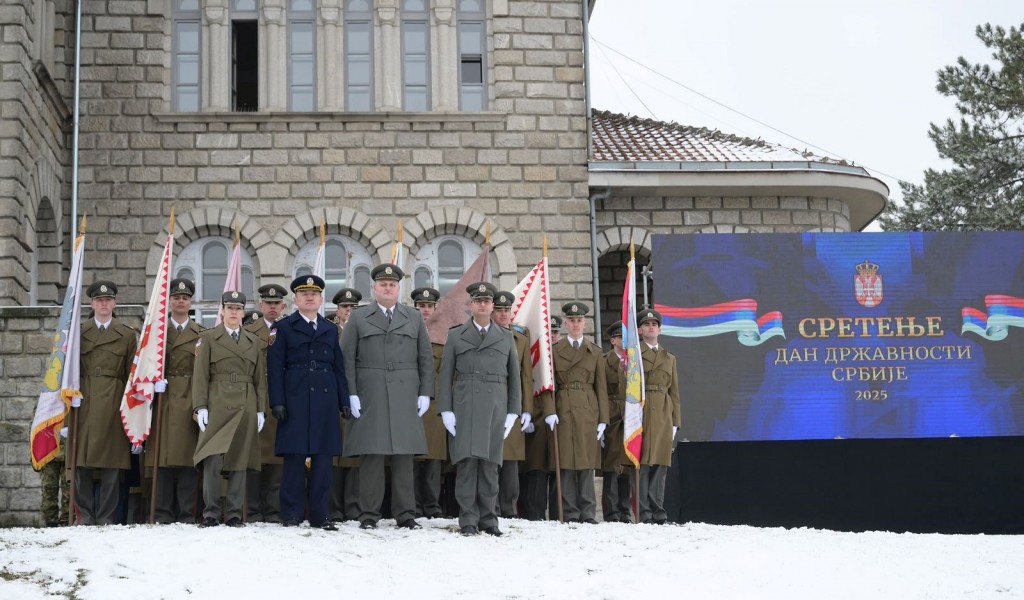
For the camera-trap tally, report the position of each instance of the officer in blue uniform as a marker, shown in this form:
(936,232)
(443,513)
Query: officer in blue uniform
(308,394)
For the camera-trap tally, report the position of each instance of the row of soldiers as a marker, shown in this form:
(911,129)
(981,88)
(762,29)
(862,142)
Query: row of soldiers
(235,405)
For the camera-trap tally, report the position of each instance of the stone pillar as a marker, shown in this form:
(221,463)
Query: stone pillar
(330,44)
(446,59)
(275,24)
(389,80)
(217,58)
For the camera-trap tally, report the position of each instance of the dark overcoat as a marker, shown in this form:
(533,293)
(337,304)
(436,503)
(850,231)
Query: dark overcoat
(479,382)
(388,365)
(306,375)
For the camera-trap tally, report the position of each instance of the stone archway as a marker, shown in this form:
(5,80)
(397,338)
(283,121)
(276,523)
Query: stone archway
(470,224)
(613,256)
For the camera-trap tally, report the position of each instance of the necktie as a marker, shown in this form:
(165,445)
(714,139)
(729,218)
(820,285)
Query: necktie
(313,324)
(234,335)
(483,332)
(181,328)
(388,314)
(575,344)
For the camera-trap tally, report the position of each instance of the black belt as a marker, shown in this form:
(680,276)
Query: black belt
(311,365)
(574,385)
(232,377)
(388,366)
(480,377)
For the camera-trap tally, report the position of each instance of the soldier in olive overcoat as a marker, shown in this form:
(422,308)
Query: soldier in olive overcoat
(428,466)
(581,405)
(345,482)
(479,397)
(229,396)
(618,471)
(263,489)
(177,479)
(108,347)
(390,371)
(515,443)
(661,418)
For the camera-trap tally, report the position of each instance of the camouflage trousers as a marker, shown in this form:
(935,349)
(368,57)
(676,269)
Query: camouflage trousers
(56,489)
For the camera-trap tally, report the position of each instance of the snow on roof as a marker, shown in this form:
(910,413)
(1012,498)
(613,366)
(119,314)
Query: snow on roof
(619,137)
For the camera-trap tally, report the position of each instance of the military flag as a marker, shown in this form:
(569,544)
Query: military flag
(632,364)
(453,308)
(233,281)
(61,380)
(148,365)
(532,309)
(397,256)
(320,265)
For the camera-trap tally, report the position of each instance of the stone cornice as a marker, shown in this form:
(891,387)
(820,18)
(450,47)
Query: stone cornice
(332,117)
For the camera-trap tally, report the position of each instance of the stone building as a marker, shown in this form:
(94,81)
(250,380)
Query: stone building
(443,118)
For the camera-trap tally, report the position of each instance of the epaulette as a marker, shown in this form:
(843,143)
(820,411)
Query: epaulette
(519,329)
(127,326)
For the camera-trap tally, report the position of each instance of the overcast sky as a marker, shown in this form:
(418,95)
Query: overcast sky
(855,79)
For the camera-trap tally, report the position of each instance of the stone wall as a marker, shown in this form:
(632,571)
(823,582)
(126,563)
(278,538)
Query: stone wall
(34,117)
(26,337)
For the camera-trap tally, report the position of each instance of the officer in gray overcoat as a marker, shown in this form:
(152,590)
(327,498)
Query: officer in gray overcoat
(390,371)
(480,396)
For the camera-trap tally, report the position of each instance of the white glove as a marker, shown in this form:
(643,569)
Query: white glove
(510,420)
(260,420)
(354,406)
(551,420)
(526,420)
(63,432)
(529,428)
(136,448)
(202,418)
(160,386)
(448,418)
(76,401)
(600,431)
(674,430)
(422,404)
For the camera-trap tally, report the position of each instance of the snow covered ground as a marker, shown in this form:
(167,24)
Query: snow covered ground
(533,560)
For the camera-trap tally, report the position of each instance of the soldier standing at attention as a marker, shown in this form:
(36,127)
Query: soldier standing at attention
(55,488)
(390,371)
(305,355)
(661,418)
(515,443)
(480,398)
(616,480)
(581,405)
(107,350)
(229,396)
(177,479)
(345,482)
(263,489)
(428,467)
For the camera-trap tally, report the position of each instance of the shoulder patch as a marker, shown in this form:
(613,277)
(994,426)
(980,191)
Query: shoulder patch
(199,343)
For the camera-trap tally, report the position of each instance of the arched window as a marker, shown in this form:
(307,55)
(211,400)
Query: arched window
(209,258)
(346,264)
(443,261)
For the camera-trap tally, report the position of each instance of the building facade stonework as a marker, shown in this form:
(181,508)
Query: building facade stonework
(443,123)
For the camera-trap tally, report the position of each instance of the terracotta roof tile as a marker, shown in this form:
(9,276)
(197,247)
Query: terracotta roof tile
(621,138)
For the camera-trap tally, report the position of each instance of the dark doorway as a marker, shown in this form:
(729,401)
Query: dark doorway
(245,78)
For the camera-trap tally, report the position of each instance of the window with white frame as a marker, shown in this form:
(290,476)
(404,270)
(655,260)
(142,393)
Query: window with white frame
(415,55)
(346,264)
(358,55)
(443,261)
(186,55)
(205,261)
(302,55)
(472,50)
